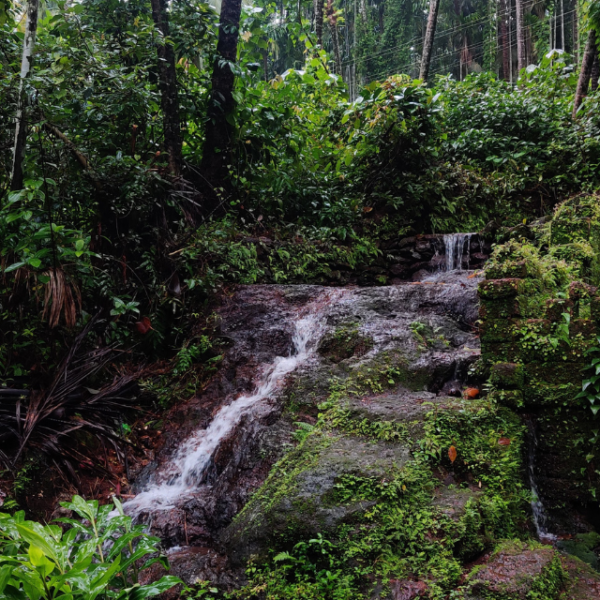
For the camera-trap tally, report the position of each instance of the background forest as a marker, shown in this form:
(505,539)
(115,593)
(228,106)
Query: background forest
(153,153)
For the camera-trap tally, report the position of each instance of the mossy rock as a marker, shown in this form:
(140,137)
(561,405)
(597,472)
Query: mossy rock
(584,546)
(298,500)
(401,407)
(518,571)
(343,343)
(583,582)
(508,376)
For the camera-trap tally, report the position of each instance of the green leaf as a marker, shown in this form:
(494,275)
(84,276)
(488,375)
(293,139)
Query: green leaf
(36,539)
(153,589)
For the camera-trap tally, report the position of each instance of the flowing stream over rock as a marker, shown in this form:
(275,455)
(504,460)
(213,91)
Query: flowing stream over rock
(181,477)
(285,345)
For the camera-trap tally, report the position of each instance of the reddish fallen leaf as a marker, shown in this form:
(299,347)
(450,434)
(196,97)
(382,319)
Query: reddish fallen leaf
(144,326)
(367,209)
(504,441)
(452,453)
(471,393)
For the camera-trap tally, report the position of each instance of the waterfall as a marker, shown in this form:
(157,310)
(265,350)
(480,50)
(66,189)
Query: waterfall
(540,518)
(179,479)
(455,250)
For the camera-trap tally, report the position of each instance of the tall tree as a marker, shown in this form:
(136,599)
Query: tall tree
(504,43)
(586,71)
(521,53)
(21,118)
(168,87)
(434,6)
(335,38)
(221,104)
(319,6)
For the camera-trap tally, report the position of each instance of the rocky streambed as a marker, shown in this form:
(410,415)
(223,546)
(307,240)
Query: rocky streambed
(345,434)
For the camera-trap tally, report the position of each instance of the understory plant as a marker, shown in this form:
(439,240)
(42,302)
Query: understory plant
(100,554)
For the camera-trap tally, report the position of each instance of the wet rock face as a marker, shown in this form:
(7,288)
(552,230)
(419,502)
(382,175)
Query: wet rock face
(518,571)
(363,329)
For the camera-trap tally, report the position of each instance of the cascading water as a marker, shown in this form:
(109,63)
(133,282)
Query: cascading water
(183,475)
(540,518)
(454,244)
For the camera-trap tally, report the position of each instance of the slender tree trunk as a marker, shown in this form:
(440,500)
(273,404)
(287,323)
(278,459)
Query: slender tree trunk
(510,39)
(434,6)
(585,72)
(363,10)
(520,36)
(168,88)
(21,117)
(576,33)
(562,25)
(319,6)
(504,42)
(219,129)
(332,19)
(595,71)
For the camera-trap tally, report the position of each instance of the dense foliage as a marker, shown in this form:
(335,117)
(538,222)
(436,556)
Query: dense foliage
(96,555)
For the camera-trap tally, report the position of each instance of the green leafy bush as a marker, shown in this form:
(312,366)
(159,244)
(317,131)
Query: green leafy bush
(98,555)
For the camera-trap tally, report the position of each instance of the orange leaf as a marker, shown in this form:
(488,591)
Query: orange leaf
(504,441)
(452,454)
(144,326)
(471,393)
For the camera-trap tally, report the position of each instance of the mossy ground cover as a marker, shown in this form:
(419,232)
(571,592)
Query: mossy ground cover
(416,523)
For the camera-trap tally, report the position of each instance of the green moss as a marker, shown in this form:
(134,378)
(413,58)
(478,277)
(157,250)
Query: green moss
(344,343)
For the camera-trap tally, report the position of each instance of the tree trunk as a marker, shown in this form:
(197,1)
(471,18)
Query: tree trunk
(429,35)
(319,6)
(504,42)
(16,177)
(168,88)
(595,71)
(520,36)
(562,25)
(219,129)
(363,10)
(585,72)
(333,28)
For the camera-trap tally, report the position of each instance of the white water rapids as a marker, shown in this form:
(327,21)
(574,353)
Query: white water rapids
(181,477)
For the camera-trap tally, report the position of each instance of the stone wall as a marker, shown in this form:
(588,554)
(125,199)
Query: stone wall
(533,346)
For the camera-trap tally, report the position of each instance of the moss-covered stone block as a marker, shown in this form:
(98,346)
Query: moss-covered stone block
(499,309)
(553,373)
(518,571)
(509,270)
(499,289)
(555,307)
(510,398)
(585,327)
(501,352)
(496,330)
(509,376)
(536,393)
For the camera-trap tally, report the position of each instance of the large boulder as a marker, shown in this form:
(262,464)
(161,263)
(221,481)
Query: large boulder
(301,501)
(518,571)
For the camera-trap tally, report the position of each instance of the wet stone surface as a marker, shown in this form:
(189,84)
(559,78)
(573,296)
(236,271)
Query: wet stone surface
(258,324)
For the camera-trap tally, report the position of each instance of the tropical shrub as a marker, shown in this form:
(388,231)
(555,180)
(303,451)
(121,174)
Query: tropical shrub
(100,554)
